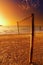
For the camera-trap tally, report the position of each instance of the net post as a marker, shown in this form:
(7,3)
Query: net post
(18,26)
(32,42)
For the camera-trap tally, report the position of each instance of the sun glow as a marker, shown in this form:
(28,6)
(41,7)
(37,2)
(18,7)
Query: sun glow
(3,21)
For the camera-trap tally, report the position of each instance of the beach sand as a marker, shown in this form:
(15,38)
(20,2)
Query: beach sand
(15,49)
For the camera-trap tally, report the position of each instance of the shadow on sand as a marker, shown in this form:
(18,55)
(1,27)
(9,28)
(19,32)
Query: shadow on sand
(34,63)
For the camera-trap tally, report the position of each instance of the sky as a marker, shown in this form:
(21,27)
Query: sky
(12,11)
(41,6)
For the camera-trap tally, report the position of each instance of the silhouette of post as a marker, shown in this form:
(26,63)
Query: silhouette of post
(18,26)
(32,43)
(40,28)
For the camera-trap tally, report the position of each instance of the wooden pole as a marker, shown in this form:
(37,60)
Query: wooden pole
(32,43)
(18,26)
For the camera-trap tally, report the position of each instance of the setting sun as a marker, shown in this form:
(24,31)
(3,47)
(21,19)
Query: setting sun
(3,21)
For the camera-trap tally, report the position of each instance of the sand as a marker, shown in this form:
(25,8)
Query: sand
(15,49)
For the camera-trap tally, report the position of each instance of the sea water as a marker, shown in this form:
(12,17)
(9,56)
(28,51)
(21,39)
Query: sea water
(14,29)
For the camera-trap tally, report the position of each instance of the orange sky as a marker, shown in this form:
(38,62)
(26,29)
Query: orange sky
(10,13)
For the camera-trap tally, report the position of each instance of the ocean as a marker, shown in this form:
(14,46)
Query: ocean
(22,30)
